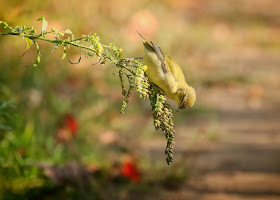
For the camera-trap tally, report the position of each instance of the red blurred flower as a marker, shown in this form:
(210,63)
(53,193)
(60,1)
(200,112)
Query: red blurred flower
(68,129)
(129,169)
(71,123)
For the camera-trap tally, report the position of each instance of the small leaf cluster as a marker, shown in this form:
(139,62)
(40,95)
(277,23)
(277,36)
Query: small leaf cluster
(131,71)
(6,115)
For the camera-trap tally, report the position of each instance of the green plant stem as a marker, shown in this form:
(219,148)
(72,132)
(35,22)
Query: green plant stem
(57,41)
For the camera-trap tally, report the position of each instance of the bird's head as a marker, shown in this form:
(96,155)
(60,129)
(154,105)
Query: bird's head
(186,97)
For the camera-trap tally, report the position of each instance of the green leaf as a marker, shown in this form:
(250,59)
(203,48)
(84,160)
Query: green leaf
(28,43)
(4,24)
(4,105)
(5,128)
(69,32)
(38,60)
(28,133)
(44,23)
(64,53)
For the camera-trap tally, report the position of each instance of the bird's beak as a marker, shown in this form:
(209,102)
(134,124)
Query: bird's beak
(182,106)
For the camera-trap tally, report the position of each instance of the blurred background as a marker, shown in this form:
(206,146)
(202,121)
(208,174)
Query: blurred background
(62,135)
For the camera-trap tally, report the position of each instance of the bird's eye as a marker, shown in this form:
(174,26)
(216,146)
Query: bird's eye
(182,100)
(181,103)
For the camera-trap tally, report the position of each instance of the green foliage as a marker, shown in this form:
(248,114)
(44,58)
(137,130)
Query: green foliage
(131,71)
(44,24)
(6,115)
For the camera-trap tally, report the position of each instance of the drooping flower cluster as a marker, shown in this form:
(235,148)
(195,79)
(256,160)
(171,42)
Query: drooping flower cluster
(163,119)
(141,82)
(124,104)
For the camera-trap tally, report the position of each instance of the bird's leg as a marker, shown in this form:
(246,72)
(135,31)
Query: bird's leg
(137,58)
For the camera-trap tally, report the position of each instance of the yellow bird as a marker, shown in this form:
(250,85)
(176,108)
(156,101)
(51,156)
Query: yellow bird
(163,71)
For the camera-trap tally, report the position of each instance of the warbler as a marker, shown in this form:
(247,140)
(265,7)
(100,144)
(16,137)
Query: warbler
(163,71)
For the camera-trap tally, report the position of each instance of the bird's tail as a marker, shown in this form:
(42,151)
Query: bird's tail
(141,37)
(147,45)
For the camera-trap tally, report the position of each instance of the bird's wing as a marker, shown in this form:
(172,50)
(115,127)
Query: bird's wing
(160,56)
(174,69)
